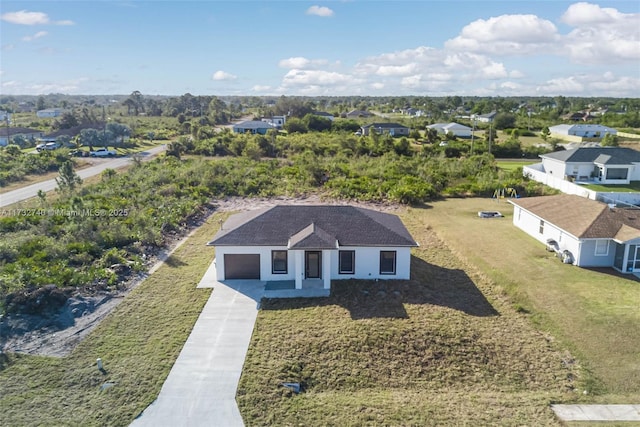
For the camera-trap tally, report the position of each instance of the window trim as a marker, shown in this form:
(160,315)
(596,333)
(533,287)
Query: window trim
(286,261)
(353,262)
(595,251)
(395,258)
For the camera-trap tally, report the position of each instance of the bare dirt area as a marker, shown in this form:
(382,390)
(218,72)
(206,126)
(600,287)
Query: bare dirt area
(57,333)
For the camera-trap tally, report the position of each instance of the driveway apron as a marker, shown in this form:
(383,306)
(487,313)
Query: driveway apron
(201,387)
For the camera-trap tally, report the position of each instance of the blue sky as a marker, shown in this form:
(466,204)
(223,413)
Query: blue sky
(432,48)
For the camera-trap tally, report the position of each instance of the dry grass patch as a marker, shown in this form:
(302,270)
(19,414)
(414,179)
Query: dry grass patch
(444,348)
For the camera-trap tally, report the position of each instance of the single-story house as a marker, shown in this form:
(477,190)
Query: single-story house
(457,129)
(605,165)
(49,112)
(579,116)
(308,246)
(277,121)
(358,113)
(393,129)
(4,115)
(7,134)
(584,232)
(253,126)
(323,114)
(582,131)
(485,118)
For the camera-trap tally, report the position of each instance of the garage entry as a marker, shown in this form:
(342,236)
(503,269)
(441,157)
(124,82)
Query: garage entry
(241,266)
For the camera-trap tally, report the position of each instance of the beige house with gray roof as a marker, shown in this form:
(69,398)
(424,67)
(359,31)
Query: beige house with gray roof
(583,232)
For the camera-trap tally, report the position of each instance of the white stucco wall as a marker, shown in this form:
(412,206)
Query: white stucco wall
(530,224)
(367,262)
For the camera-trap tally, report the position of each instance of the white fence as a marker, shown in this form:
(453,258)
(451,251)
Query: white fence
(536,173)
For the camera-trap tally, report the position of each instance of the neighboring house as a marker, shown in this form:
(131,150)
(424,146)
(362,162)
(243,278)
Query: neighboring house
(583,232)
(4,116)
(323,114)
(457,129)
(485,118)
(393,129)
(277,121)
(358,113)
(578,117)
(49,112)
(582,131)
(7,134)
(302,246)
(604,165)
(253,126)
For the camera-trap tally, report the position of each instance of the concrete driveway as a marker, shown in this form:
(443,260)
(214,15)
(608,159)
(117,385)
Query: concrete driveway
(201,387)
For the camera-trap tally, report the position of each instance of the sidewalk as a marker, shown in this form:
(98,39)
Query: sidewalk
(597,412)
(201,387)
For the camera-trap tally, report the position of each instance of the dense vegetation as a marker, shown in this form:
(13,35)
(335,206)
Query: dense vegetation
(15,164)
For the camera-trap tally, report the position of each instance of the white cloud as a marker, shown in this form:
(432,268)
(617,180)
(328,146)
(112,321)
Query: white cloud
(37,35)
(261,88)
(396,70)
(300,62)
(8,46)
(377,85)
(601,35)
(565,86)
(580,14)
(223,76)
(297,77)
(506,35)
(24,17)
(516,74)
(320,11)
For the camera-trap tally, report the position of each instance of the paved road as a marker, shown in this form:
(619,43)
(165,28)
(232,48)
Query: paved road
(30,191)
(201,387)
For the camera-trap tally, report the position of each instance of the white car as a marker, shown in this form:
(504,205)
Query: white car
(103,152)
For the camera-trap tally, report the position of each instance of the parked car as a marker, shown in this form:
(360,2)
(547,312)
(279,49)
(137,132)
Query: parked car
(103,152)
(78,153)
(51,145)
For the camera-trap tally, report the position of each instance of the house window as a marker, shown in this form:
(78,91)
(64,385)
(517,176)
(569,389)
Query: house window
(602,248)
(347,262)
(519,213)
(279,262)
(541,228)
(617,173)
(387,262)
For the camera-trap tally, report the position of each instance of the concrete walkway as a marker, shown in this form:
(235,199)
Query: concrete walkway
(201,387)
(597,412)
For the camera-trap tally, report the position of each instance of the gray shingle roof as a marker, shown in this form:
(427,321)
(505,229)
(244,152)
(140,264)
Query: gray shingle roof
(309,225)
(616,155)
(385,126)
(312,237)
(584,218)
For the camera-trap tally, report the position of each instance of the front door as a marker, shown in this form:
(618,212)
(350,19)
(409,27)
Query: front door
(313,264)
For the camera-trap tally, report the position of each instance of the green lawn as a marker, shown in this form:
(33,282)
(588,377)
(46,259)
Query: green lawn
(614,188)
(511,165)
(593,312)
